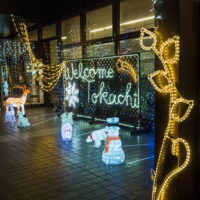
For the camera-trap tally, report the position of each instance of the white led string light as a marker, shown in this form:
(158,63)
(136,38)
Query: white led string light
(72,94)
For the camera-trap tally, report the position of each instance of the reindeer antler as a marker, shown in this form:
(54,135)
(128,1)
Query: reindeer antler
(20,87)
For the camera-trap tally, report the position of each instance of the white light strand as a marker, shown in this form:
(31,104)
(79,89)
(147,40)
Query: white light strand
(72,94)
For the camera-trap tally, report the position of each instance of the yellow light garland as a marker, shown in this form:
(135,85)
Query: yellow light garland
(159,191)
(126,67)
(51,74)
(160,72)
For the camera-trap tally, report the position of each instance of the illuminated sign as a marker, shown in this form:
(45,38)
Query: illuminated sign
(101,73)
(111,86)
(114,99)
(88,73)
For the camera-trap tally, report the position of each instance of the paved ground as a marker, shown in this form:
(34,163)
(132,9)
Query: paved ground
(35,164)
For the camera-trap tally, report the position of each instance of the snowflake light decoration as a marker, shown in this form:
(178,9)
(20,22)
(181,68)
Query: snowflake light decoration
(72,94)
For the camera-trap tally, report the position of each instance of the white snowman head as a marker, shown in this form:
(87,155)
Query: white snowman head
(112,128)
(66,131)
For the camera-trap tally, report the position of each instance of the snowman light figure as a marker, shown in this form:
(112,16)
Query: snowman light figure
(113,153)
(22,121)
(66,129)
(10,114)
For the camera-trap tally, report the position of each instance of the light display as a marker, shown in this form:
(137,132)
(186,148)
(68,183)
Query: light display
(66,128)
(5,88)
(66,131)
(13,56)
(72,94)
(22,121)
(94,73)
(113,153)
(126,67)
(159,189)
(103,91)
(18,102)
(97,136)
(10,114)
(145,120)
(88,73)
(113,99)
(67,118)
(51,73)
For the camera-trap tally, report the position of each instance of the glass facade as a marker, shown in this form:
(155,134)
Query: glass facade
(146,58)
(53,52)
(73,53)
(99,23)
(33,35)
(97,42)
(29,24)
(100,50)
(53,61)
(135,14)
(49,31)
(71,30)
(37,95)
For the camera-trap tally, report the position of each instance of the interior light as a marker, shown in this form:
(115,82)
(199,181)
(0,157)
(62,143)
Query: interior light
(137,20)
(125,23)
(64,37)
(101,29)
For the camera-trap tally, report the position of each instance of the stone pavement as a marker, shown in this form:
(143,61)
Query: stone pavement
(36,164)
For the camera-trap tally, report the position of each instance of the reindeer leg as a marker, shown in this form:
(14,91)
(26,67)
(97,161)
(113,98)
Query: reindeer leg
(7,107)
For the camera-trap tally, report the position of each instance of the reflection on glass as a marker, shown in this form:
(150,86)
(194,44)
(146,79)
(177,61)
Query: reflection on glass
(100,50)
(29,24)
(73,52)
(71,30)
(33,35)
(146,58)
(134,14)
(53,61)
(99,23)
(53,52)
(49,31)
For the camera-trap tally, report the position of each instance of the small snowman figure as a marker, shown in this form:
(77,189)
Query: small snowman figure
(113,153)
(66,129)
(22,121)
(10,114)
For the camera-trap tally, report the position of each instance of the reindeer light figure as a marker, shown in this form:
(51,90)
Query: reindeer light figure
(18,102)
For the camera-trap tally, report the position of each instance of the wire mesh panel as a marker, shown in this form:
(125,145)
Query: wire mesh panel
(96,89)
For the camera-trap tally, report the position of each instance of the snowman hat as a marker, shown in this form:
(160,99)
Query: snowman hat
(113,121)
(67,118)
